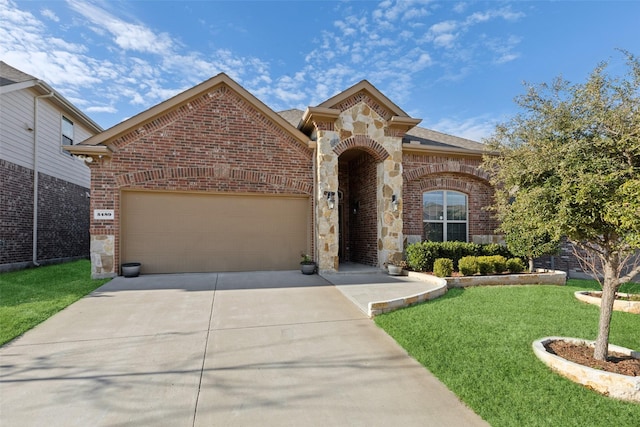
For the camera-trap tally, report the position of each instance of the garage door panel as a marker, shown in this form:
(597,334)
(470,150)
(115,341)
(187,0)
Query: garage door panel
(192,232)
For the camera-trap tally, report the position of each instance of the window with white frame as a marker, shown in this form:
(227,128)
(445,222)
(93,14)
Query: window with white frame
(444,216)
(67,131)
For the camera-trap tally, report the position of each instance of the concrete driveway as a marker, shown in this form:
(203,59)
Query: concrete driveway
(227,349)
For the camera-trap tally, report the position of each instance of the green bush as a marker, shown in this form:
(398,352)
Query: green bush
(443,267)
(499,263)
(468,265)
(515,265)
(485,265)
(422,255)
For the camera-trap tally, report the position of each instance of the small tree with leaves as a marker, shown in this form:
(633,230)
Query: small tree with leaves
(569,165)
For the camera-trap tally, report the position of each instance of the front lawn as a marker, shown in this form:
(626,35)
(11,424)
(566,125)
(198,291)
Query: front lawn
(28,297)
(478,340)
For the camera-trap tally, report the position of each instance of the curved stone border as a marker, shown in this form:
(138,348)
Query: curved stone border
(544,277)
(618,305)
(618,386)
(379,307)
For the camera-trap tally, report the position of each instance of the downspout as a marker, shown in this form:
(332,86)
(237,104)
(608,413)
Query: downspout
(36,126)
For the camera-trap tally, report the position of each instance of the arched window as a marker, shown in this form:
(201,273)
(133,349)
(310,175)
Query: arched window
(444,216)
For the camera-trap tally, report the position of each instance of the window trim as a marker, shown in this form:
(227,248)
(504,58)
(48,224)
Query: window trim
(445,221)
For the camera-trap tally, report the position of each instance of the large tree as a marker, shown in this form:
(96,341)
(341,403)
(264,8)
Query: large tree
(569,165)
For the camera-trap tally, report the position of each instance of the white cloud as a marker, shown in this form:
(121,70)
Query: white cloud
(48,13)
(473,128)
(103,109)
(126,35)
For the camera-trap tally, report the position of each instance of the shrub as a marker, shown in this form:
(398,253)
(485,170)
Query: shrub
(422,255)
(499,263)
(468,265)
(485,265)
(515,265)
(443,267)
(493,249)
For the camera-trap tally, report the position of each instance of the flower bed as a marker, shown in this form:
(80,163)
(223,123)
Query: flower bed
(620,304)
(618,386)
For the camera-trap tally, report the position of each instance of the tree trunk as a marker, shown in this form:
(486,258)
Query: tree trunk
(530,264)
(609,287)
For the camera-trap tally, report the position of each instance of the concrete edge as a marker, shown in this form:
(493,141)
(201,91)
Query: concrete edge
(610,384)
(378,307)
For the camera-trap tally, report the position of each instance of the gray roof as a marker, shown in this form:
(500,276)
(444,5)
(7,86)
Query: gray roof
(417,134)
(10,75)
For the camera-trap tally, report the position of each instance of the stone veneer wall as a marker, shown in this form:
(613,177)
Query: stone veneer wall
(217,143)
(63,217)
(429,172)
(362,124)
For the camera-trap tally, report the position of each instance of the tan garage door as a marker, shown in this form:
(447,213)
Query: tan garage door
(193,232)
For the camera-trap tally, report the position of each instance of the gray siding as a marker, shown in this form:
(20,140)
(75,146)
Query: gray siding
(17,141)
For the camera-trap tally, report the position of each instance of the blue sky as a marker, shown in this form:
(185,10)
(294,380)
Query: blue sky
(455,64)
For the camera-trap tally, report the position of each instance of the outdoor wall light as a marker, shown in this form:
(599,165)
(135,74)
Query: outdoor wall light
(331,198)
(394,202)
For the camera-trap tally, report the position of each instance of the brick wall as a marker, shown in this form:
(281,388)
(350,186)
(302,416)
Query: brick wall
(363,226)
(63,217)
(426,173)
(216,143)
(16,213)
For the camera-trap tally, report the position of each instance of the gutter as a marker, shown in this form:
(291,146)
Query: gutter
(36,164)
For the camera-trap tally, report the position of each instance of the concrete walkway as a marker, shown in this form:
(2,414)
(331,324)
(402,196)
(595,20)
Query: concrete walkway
(227,349)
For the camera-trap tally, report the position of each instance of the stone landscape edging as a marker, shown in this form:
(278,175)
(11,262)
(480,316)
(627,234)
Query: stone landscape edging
(542,277)
(618,305)
(379,307)
(623,387)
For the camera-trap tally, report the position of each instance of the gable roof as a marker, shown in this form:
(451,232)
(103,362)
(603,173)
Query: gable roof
(12,79)
(10,75)
(184,98)
(418,137)
(364,85)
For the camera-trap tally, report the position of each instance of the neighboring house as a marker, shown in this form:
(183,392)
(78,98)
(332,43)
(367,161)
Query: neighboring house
(44,191)
(214,180)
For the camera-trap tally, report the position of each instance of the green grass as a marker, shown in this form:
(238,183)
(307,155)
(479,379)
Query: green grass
(478,342)
(28,297)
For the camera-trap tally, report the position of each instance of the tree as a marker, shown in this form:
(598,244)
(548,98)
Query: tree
(569,165)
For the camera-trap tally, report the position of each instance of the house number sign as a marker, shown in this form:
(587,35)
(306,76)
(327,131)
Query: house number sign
(103,214)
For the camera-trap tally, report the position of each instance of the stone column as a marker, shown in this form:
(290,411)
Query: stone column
(326,217)
(390,238)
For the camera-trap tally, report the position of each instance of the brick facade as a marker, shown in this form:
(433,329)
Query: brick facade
(16,213)
(428,172)
(216,138)
(63,217)
(217,143)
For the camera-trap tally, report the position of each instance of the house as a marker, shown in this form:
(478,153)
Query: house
(44,191)
(214,180)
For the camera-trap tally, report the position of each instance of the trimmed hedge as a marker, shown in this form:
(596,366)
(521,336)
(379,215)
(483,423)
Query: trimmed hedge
(515,265)
(443,267)
(422,255)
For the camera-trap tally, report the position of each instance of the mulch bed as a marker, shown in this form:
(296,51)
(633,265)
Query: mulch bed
(583,355)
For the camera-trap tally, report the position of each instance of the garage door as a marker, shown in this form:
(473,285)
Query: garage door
(194,232)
